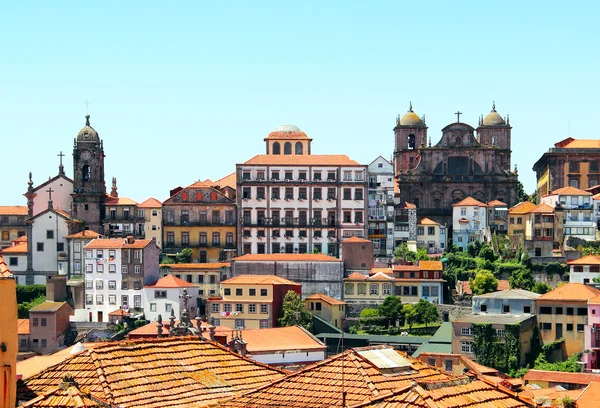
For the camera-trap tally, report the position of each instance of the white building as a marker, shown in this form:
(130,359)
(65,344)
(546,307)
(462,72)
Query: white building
(469,222)
(578,211)
(381,207)
(116,271)
(59,189)
(15,257)
(76,253)
(432,236)
(164,296)
(584,270)
(405,223)
(291,201)
(151,211)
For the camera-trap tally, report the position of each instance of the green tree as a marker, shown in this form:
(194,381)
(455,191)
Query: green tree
(487,253)
(402,252)
(391,309)
(541,288)
(167,260)
(23,308)
(410,314)
(27,293)
(522,279)
(426,312)
(294,312)
(484,282)
(422,254)
(521,194)
(185,256)
(474,248)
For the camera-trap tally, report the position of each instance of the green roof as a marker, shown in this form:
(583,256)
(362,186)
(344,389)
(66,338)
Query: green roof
(433,348)
(443,334)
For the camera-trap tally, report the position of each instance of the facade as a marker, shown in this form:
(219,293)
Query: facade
(497,217)
(538,229)
(165,296)
(48,322)
(584,270)
(201,217)
(462,331)
(9,334)
(405,223)
(362,288)
(432,236)
(469,222)
(58,189)
(460,165)
(12,224)
(381,206)
(570,163)
(291,201)
(151,211)
(251,302)
(116,270)
(577,208)
(327,308)
(592,335)
(76,243)
(122,218)
(563,314)
(24,334)
(511,301)
(357,254)
(16,258)
(317,273)
(422,281)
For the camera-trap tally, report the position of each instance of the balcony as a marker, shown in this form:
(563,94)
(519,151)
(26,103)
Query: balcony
(63,256)
(200,223)
(542,238)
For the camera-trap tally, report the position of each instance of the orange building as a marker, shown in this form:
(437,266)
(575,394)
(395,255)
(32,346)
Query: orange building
(8,336)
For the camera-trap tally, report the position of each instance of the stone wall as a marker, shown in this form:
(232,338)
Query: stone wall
(454,312)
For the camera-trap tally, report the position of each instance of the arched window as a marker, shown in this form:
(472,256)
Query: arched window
(593,183)
(287,148)
(458,141)
(411,142)
(298,147)
(574,183)
(276,148)
(85,172)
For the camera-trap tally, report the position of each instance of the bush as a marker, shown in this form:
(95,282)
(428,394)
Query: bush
(23,308)
(27,293)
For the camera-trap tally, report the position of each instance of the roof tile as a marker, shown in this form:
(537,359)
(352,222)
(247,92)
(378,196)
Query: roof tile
(306,160)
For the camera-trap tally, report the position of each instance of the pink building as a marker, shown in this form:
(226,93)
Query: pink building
(592,335)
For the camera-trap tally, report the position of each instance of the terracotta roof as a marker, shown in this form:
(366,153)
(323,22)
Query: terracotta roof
(84,234)
(469,202)
(119,312)
(357,276)
(23,326)
(590,396)
(156,373)
(150,203)
(465,287)
(13,210)
(381,276)
(570,191)
(428,221)
(22,238)
(522,208)
(281,339)
(502,285)
(405,268)
(210,265)
(387,271)
(431,266)
(287,132)
(227,181)
(287,257)
(476,393)
(48,306)
(110,200)
(170,282)
(326,299)
(15,249)
(570,143)
(66,395)
(4,271)
(356,239)
(552,395)
(586,260)
(306,160)
(496,203)
(542,209)
(561,377)
(259,280)
(463,221)
(320,385)
(571,291)
(117,243)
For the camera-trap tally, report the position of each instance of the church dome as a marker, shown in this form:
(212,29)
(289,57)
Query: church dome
(410,118)
(493,118)
(87,133)
(287,132)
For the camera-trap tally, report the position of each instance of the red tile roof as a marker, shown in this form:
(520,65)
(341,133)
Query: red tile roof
(561,377)
(287,257)
(379,276)
(571,143)
(405,268)
(84,234)
(571,191)
(150,203)
(356,239)
(170,282)
(23,326)
(13,210)
(210,265)
(469,202)
(428,221)
(326,299)
(156,373)
(320,385)
(572,291)
(20,248)
(281,339)
(357,276)
(542,209)
(117,243)
(303,160)
(4,271)
(227,181)
(259,280)
(586,260)
(22,238)
(66,396)
(496,203)
(119,312)
(119,201)
(590,396)
(431,266)
(522,208)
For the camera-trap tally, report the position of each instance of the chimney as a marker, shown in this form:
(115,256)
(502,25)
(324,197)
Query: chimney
(130,239)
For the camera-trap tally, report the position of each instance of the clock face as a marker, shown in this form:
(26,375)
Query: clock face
(86,155)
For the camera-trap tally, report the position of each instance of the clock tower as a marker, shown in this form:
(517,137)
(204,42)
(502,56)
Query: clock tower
(89,189)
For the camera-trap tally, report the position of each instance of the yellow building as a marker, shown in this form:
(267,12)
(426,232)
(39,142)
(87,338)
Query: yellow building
(12,223)
(251,301)
(563,313)
(327,308)
(8,336)
(151,212)
(377,287)
(201,217)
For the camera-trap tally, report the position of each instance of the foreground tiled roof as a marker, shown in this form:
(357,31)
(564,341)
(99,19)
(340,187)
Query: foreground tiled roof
(66,396)
(306,160)
(19,248)
(586,260)
(561,377)
(571,291)
(158,373)
(320,385)
(590,396)
(448,394)
(287,257)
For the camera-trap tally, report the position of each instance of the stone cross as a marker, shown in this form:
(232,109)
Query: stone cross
(458,116)
(61,169)
(50,191)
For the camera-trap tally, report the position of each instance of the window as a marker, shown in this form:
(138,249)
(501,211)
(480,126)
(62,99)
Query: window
(317,193)
(137,301)
(50,234)
(185,238)
(263,292)
(36,321)
(99,268)
(546,326)
(168,307)
(251,292)
(527,309)
(558,310)
(349,288)
(40,246)
(227,292)
(60,246)
(44,343)
(420,231)
(545,310)
(112,300)
(318,306)
(239,323)
(358,194)
(580,328)
(216,238)
(505,308)
(430,230)
(89,299)
(264,309)
(99,284)
(387,289)
(347,216)
(89,284)
(227,307)
(448,365)
(124,285)
(215,308)
(374,289)
(99,299)
(137,269)
(264,324)
(170,238)
(466,331)
(466,347)
(483,308)
(160,294)
(124,269)
(124,301)
(573,167)
(569,311)
(347,194)
(500,332)
(569,326)
(582,311)
(358,217)
(238,291)
(252,308)
(112,268)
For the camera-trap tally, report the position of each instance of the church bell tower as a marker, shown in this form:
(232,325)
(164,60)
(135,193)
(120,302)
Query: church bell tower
(89,188)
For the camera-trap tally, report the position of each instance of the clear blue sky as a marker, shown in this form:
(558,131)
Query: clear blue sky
(182,91)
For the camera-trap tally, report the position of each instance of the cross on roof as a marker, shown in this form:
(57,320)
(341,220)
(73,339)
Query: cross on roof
(50,191)
(458,116)
(61,169)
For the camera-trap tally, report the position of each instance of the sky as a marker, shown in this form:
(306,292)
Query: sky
(182,91)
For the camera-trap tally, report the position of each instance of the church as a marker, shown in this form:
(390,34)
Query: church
(465,162)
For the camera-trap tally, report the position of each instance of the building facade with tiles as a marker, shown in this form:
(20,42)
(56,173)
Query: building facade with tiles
(165,296)
(251,302)
(48,322)
(381,207)
(577,210)
(422,281)
(292,201)
(12,224)
(469,222)
(327,308)
(432,236)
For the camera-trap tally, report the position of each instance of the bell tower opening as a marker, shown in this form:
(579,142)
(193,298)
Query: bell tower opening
(287,148)
(299,148)
(411,142)
(276,148)
(85,173)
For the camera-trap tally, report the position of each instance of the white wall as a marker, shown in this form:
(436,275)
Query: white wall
(172,299)
(289,358)
(47,260)
(61,196)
